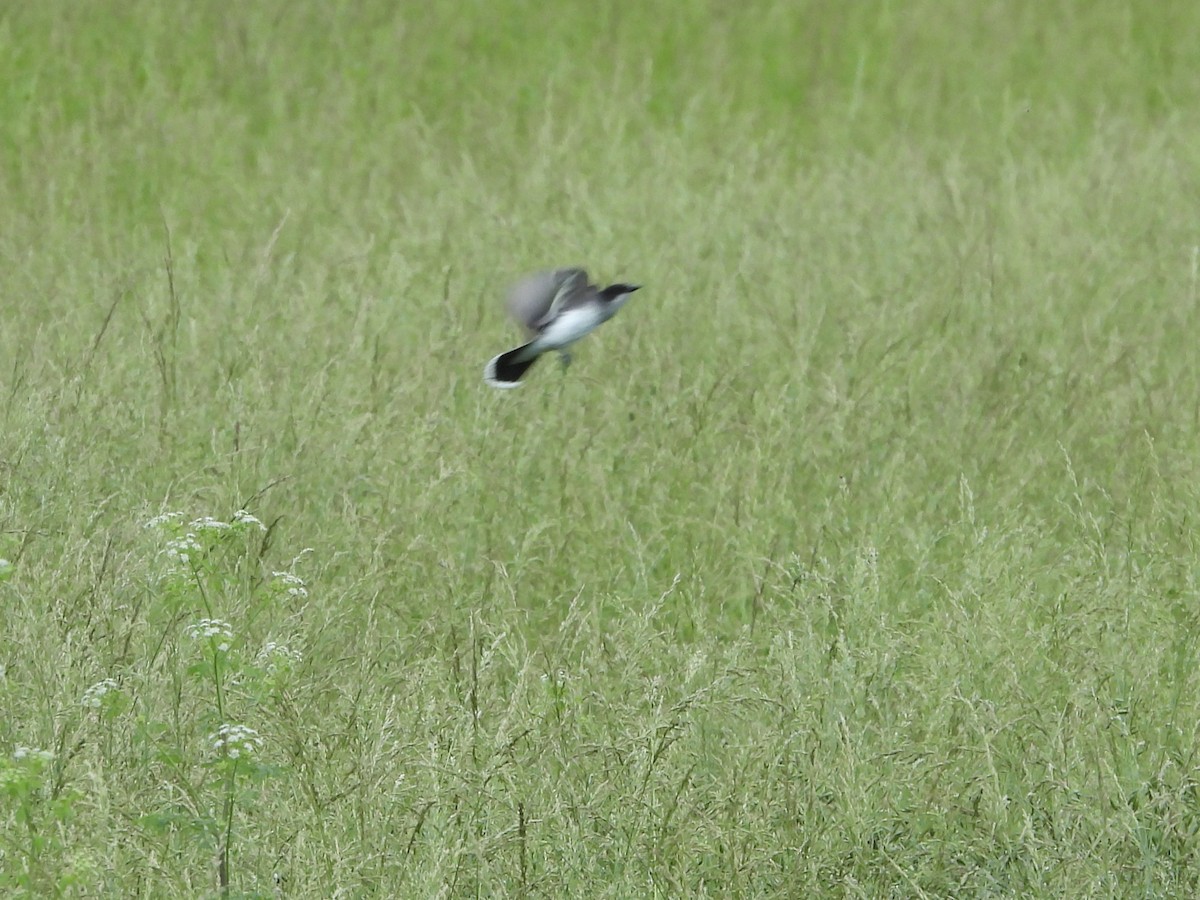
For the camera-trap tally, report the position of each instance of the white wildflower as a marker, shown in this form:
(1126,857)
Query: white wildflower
(180,550)
(164,519)
(234,740)
(6,569)
(293,585)
(23,752)
(208,523)
(242,517)
(214,630)
(93,695)
(275,655)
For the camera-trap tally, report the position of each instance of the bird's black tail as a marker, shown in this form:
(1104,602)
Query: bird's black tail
(505,370)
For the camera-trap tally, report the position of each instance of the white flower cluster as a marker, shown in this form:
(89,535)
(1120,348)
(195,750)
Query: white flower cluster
(234,740)
(6,569)
(274,655)
(293,585)
(169,518)
(93,695)
(23,752)
(191,540)
(212,629)
(180,549)
(208,523)
(241,517)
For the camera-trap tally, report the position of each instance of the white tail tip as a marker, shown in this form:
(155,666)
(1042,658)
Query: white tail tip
(490,377)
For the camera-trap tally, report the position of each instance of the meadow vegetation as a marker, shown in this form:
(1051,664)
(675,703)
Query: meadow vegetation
(856,557)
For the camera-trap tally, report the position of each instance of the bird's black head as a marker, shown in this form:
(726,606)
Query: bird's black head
(615,291)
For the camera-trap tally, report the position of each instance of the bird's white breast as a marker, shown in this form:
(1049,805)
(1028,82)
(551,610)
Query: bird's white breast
(570,326)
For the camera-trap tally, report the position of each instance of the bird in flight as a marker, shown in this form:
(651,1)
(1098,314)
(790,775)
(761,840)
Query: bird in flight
(556,308)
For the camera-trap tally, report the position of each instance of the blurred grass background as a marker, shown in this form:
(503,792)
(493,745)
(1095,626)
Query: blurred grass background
(853,558)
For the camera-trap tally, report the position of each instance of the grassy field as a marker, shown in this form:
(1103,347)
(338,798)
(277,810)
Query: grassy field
(856,558)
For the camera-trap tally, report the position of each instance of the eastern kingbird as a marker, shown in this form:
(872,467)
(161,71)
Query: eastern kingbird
(556,308)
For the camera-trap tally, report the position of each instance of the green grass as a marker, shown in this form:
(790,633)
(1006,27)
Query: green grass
(856,557)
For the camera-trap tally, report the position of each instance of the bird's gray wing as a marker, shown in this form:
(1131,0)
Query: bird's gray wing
(573,287)
(537,298)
